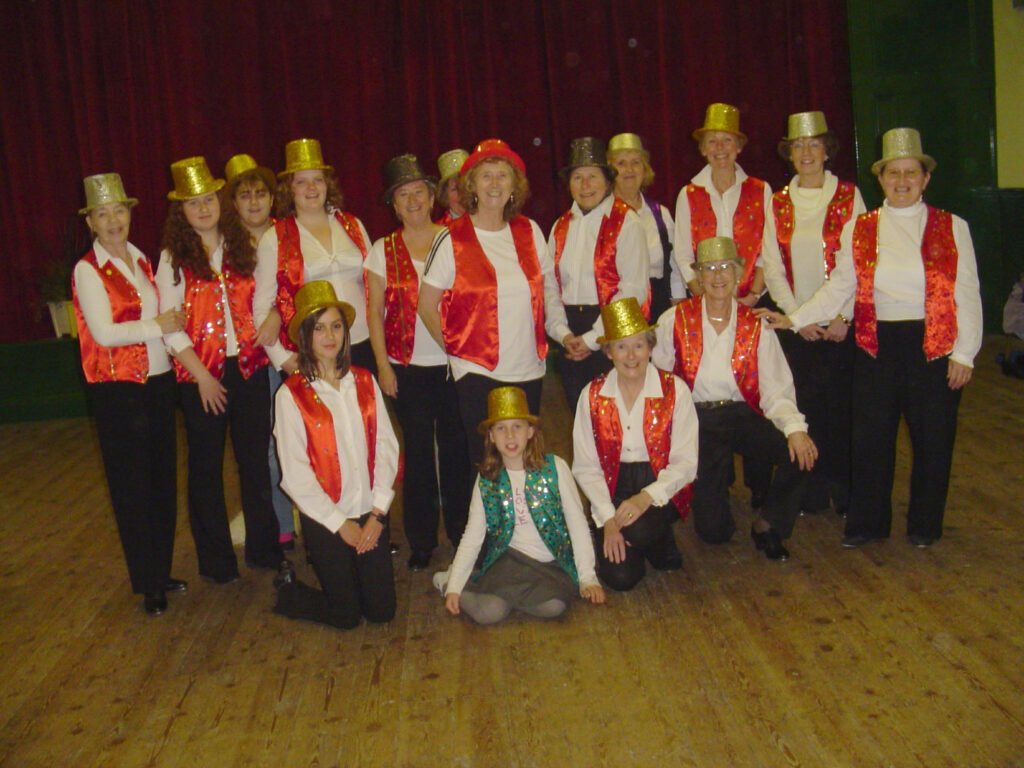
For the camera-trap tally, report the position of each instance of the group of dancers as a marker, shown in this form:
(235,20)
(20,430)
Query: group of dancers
(793,328)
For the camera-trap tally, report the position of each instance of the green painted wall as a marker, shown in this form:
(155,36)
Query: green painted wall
(930,65)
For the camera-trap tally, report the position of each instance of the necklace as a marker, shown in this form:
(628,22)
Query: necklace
(718,319)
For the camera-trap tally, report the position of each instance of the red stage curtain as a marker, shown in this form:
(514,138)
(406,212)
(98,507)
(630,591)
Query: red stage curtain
(130,86)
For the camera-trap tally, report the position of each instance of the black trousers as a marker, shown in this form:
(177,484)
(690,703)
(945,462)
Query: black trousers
(248,413)
(353,586)
(361,354)
(577,374)
(136,431)
(472,392)
(823,378)
(649,538)
(736,428)
(901,382)
(428,412)
(757,473)
(661,294)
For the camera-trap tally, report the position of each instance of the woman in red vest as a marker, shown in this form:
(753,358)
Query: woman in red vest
(312,239)
(635,451)
(206,269)
(599,249)
(339,457)
(811,215)
(743,391)
(488,288)
(413,369)
(918,326)
(131,387)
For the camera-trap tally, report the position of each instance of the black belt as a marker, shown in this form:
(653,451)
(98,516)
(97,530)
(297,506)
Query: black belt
(710,405)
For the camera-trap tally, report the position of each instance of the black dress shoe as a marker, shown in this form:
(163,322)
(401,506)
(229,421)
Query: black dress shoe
(285,575)
(155,603)
(418,560)
(920,541)
(394,548)
(757,500)
(770,543)
(856,540)
(176,585)
(230,579)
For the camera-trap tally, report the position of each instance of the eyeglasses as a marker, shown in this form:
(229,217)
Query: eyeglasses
(720,267)
(807,144)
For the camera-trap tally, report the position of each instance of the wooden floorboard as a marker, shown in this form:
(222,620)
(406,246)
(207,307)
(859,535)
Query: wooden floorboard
(883,656)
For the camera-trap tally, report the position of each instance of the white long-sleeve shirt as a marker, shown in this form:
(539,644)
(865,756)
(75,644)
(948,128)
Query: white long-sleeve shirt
(95,305)
(576,266)
(724,205)
(715,380)
(810,207)
(173,297)
(359,493)
(899,279)
(525,537)
(682,461)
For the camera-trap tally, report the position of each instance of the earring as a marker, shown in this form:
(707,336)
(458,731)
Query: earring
(512,198)
(475,200)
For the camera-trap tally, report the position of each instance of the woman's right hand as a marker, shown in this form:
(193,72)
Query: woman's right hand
(451,602)
(350,533)
(614,542)
(386,379)
(212,395)
(170,321)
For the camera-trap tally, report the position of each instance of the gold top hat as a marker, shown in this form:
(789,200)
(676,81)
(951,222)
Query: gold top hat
(402,170)
(450,163)
(506,403)
(803,125)
(623,318)
(239,165)
(312,297)
(102,189)
(714,249)
(721,117)
(588,150)
(900,143)
(303,155)
(192,178)
(625,141)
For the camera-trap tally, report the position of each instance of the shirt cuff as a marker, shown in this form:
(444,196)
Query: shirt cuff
(962,359)
(658,496)
(590,339)
(382,499)
(601,513)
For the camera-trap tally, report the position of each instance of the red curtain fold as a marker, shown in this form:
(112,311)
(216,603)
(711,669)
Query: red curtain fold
(132,86)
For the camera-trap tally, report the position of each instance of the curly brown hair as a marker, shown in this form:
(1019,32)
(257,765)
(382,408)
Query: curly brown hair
(520,190)
(187,251)
(284,200)
(308,365)
(491,464)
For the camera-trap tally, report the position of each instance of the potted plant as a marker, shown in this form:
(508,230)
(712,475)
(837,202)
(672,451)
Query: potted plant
(55,280)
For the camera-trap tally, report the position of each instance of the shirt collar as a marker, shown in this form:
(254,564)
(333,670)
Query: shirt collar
(601,209)
(703,179)
(652,385)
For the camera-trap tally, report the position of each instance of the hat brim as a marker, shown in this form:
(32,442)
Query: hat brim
(486,424)
(290,171)
(218,185)
(346,309)
(926,160)
(609,172)
(385,196)
(130,202)
(650,327)
(701,131)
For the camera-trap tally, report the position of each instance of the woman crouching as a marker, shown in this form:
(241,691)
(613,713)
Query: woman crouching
(339,457)
(525,504)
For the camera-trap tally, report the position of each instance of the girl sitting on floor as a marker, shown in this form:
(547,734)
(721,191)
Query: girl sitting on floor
(525,503)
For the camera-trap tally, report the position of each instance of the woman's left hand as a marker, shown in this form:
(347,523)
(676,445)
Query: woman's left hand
(594,593)
(269,329)
(632,509)
(958,375)
(370,534)
(802,450)
(776,320)
(837,330)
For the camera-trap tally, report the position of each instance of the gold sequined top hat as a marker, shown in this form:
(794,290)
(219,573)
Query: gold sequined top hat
(239,165)
(588,150)
(900,143)
(804,125)
(402,170)
(312,297)
(721,117)
(506,403)
(192,178)
(450,163)
(623,318)
(712,249)
(621,142)
(303,155)
(103,189)
(492,149)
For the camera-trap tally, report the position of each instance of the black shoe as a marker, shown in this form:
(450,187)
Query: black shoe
(770,543)
(419,560)
(175,585)
(920,541)
(394,548)
(155,603)
(230,579)
(289,545)
(285,575)
(757,500)
(856,540)
(673,561)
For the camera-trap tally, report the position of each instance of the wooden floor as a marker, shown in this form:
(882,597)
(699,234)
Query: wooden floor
(884,656)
